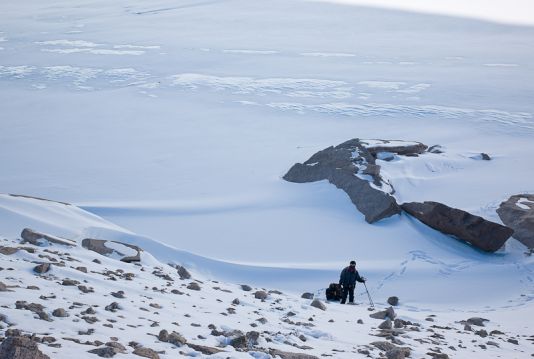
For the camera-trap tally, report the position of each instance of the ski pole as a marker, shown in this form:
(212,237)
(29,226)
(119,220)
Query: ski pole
(369,295)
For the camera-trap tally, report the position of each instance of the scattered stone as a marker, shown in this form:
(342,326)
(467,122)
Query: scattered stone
(359,321)
(246,288)
(289,355)
(69,282)
(517,212)
(60,312)
(99,246)
(398,353)
(104,352)
(204,349)
(146,353)
(260,294)
(316,303)
(247,341)
(307,295)
(113,307)
(176,339)
(119,294)
(163,335)
(398,323)
(394,301)
(7,251)
(85,289)
(17,347)
(477,231)
(42,268)
(183,273)
(3,287)
(482,333)
(193,286)
(386,324)
(485,156)
(82,269)
(236,301)
(33,287)
(513,341)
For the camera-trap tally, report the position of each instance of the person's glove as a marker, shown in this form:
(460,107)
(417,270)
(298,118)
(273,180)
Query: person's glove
(364,279)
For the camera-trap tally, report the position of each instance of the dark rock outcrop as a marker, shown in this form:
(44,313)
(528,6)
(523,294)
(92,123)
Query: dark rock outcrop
(518,213)
(182,272)
(20,348)
(99,246)
(483,234)
(351,166)
(34,237)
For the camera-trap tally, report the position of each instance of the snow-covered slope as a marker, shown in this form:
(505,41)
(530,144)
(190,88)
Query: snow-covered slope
(174,121)
(87,300)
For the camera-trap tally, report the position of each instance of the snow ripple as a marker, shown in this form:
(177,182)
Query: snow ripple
(519,119)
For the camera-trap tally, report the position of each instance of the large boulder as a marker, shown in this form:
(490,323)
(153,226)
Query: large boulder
(518,213)
(123,251)
(36,238)
(20,348)
(479,232)
(351,167)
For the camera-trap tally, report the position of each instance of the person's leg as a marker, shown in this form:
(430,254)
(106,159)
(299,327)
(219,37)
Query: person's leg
(351,294)
(344,292)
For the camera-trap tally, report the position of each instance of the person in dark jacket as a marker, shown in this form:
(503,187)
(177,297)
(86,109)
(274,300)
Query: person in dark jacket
(347,279)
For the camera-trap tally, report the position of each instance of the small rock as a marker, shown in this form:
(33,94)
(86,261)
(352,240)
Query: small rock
(7,251)
(42,268)
(246,288)
(163,335)
(394,301)
(183,273)
(69,282)
(477,321)
(482,333)
(397,323)
(193,286)
(236,301)
(60,312)
(307,295)
(119,294)
(176,339)
(146,353)
(104,352)
(386,324)
(513,341)
(318,304)
(113,307)
(398,353)
(260,294)
(359,321)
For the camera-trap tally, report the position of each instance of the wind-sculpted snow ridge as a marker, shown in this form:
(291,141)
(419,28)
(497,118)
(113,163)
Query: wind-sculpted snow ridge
(76,302)
(522,120)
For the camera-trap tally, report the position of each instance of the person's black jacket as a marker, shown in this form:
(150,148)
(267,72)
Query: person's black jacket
(349,277)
